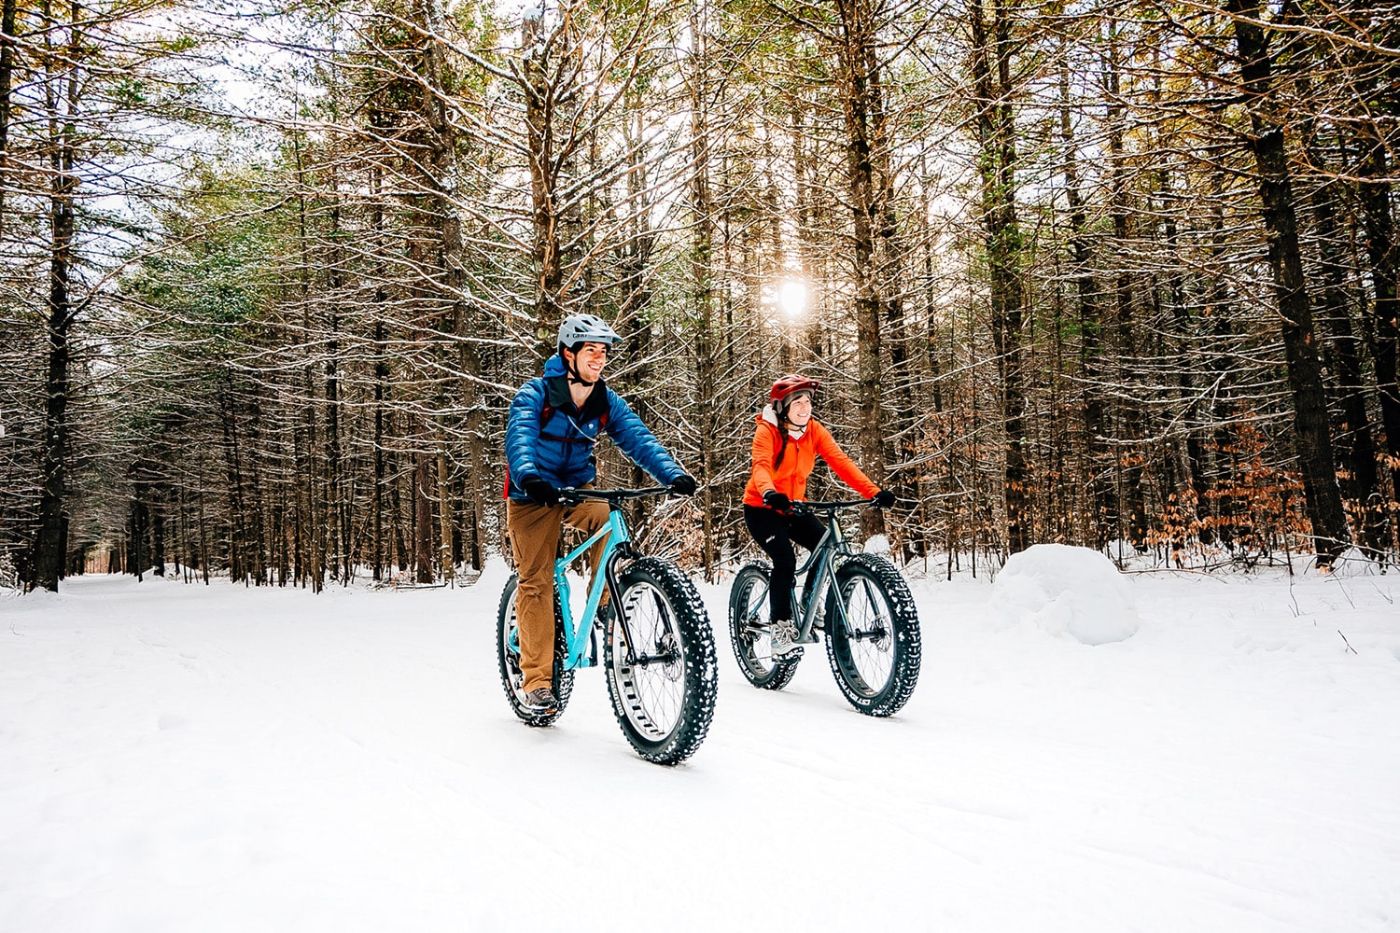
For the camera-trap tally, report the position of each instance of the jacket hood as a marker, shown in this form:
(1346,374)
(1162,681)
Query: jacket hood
(554,366)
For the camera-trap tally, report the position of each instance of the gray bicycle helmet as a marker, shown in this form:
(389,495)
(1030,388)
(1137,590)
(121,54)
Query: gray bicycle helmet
(585,328)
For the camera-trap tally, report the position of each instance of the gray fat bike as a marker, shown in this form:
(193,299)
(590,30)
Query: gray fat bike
(859,602)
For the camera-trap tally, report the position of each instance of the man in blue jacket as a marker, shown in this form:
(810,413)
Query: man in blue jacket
(554,421)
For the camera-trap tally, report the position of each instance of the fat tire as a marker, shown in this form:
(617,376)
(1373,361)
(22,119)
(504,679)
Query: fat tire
(783,669)
(563,685)
(908,650)
(700,677)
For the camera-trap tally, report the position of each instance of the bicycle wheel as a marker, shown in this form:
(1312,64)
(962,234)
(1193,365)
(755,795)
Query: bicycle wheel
(663,699)
(877,663)
(750,634)
(508,656)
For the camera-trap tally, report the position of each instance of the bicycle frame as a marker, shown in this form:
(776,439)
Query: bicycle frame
(822,562)
(577,636)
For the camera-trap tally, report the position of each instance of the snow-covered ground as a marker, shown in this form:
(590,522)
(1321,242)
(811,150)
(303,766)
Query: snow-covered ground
(186,758)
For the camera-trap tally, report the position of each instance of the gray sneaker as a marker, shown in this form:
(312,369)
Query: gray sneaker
(784,638)
(541,699)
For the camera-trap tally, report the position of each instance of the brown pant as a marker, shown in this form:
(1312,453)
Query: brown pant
(534,537)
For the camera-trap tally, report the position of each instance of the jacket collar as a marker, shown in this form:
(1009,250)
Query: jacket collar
(558,396)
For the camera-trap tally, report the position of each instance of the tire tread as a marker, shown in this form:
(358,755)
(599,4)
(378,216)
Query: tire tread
(909,643)
(701,677)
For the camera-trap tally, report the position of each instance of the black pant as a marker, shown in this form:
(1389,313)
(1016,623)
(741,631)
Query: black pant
(775,531)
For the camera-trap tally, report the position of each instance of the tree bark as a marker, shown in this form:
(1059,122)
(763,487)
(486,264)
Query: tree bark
(1314,442)
(1356,447)
(1383,254)
(855,58)
(50,543)
(540,142)
(1376,194)
(1103,492)
(991,68)
(1131,459)
(701,281)
(423,518)
(7,67)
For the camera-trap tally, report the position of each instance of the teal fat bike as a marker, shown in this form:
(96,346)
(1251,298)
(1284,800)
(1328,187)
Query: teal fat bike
(859,602)
(658,647)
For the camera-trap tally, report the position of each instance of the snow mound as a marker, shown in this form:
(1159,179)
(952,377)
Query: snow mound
(877,544)
(1353,562)
(1066,591)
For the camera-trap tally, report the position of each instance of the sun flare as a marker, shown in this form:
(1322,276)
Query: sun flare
(791,297)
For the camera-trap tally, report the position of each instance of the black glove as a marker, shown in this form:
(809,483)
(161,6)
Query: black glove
(776,500)
(683,485)
(884,499)
(539,491)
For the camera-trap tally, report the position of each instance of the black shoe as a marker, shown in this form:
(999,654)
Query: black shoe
(541,699)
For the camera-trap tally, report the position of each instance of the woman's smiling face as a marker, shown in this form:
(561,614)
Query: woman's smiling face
(799,409)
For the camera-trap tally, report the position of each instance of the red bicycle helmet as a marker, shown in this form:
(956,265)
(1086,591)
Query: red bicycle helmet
(789,384)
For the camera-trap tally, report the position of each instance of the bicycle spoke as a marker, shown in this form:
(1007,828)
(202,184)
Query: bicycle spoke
(871,644)
(874,651)
(655,688)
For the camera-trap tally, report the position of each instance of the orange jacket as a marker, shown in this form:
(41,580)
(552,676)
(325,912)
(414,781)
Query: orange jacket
(790,476)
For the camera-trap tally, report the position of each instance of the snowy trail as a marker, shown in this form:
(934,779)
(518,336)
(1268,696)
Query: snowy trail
(189,758)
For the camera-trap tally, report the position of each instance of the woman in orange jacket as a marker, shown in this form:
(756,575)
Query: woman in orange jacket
(786,445)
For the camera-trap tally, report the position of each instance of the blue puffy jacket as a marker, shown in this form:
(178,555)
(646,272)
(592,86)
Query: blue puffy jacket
(560,450)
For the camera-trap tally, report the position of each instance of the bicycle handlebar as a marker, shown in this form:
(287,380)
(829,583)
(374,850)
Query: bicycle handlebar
(800,506)
(571,494)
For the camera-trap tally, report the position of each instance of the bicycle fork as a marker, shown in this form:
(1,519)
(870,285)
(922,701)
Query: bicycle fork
(666,650)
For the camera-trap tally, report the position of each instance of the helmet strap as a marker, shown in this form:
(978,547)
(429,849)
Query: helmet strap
(574,377)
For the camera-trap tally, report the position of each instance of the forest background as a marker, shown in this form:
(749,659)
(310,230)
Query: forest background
(1116,274)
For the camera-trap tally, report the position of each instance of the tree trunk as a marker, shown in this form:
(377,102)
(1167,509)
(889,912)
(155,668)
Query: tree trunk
(381,377)
(339,558)
(1324,500)
(857,84)
(7,66)
(50,543)
(991,67)
(1132,458)
(1103,492)
(1376,194)
(1356,449)
(1383,254)
(423,518)
(702,290)
(539,122)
